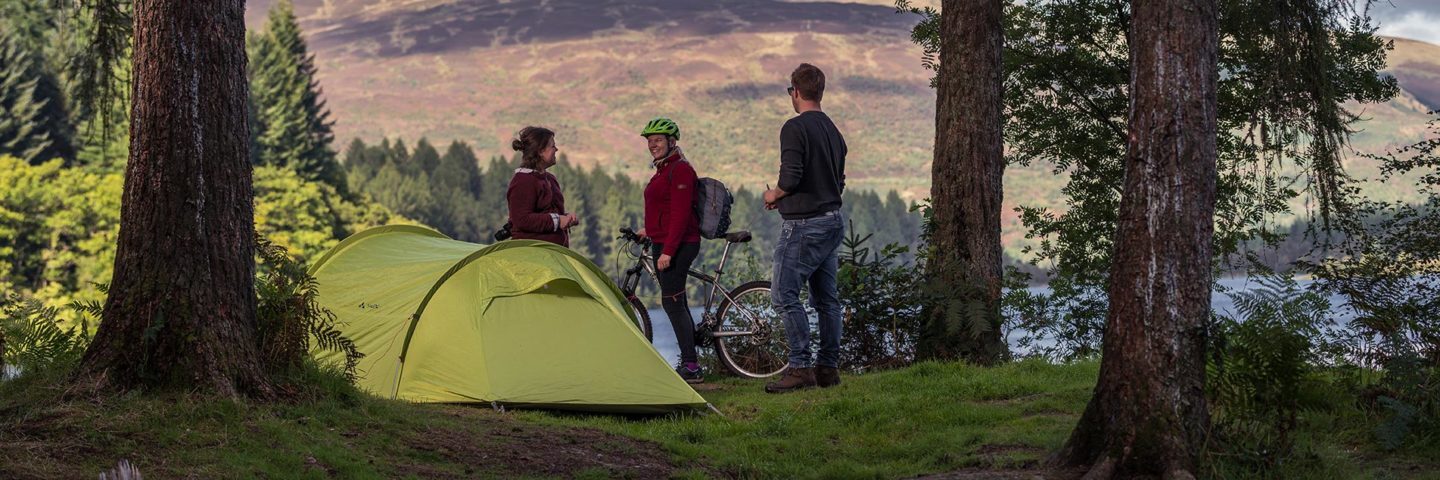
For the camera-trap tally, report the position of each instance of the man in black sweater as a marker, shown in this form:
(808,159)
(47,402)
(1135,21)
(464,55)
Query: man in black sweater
(812,176)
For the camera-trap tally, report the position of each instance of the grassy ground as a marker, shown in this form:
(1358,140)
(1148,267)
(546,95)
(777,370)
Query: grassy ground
(931,418)
(924,419)
(46,432)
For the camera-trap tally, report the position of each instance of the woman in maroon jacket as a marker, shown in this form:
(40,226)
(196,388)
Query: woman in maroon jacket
(670,221)
(537,208)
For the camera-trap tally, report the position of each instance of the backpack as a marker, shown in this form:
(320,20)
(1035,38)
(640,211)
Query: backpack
(712,206)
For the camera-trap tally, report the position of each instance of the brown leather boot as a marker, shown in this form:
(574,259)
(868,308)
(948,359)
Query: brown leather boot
(794,379)
(827,377)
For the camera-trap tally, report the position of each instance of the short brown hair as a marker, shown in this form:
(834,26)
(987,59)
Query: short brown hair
(809,81)
(529,142)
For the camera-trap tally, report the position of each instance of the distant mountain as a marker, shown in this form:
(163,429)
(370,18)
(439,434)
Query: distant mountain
(597,70)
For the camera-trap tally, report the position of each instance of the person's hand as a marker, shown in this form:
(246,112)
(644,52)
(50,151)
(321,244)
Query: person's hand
(569,220)
(771,196)
(641,233)
(663,263)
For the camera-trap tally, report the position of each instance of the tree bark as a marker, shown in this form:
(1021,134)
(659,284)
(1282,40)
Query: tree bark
(181,307)
(1148,415)
(966,187)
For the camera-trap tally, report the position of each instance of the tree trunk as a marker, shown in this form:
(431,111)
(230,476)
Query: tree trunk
(181,308)
(964,267)
(1148,415)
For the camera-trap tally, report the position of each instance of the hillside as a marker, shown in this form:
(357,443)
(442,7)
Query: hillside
(596,70)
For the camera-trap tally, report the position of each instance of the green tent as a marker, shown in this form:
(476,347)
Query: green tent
(519,323)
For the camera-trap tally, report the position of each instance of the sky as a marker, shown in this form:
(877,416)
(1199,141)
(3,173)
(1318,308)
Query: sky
(1414,19)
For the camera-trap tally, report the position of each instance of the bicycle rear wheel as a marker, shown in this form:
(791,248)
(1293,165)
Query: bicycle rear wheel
(642,319)
(762,350)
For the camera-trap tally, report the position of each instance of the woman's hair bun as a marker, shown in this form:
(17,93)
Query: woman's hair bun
(518,145)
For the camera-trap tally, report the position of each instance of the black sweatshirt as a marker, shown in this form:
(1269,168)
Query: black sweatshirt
(812,166)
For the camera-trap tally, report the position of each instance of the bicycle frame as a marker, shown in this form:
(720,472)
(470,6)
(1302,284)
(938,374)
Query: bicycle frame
(646,262)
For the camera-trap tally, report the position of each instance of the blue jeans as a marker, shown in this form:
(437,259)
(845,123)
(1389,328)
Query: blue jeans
(808,252)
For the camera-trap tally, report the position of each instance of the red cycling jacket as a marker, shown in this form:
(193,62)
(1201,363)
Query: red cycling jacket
(669,197)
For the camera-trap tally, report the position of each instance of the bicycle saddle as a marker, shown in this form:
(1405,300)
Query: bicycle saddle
(737,237)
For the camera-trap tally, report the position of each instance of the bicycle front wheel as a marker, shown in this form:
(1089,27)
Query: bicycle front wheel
(751,336)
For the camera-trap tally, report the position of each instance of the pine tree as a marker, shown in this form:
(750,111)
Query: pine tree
(292,124)
(965,252)
(21,133)
(396,153)
(459,168)
(32,25)
(425,159)
(181,309)
(1150,397)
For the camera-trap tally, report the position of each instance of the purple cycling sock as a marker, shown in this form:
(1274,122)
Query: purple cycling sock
(692,366)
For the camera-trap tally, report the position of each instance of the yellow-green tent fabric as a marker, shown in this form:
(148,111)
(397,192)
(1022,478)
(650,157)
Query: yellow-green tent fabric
(518,323)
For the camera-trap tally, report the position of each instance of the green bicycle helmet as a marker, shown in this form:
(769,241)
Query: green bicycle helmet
(661,125)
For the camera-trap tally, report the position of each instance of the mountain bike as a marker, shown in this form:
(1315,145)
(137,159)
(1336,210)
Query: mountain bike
(741,323)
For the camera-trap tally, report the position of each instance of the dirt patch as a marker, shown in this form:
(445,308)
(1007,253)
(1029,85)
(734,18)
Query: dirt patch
(1018,474)
(508,447)
(78,439)
(709,387)
(1014,400)
(996,450)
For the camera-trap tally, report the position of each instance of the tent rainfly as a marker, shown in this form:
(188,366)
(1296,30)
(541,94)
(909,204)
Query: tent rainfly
(520,323)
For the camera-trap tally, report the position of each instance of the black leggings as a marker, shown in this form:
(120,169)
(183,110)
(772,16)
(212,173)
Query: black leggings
(672,297)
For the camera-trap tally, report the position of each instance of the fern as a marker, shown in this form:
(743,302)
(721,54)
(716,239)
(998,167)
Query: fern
(1263,371)
(33,337)
(289,316)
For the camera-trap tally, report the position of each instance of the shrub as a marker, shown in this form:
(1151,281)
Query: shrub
(881,298)
(288,316)
(1263,371)
(32,339)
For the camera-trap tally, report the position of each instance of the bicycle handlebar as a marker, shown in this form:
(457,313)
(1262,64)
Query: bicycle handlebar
(626,233)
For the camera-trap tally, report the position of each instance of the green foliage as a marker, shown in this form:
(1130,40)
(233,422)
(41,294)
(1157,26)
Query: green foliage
(22,132)
(1391,278)
(98,63)
(957,321)
(32,337)
(308,218)
(881,298)
(1263,372)
(926,34)
(291,127)
(104,140)
(1286,72)
(288,316)
(60,225)
(34,27)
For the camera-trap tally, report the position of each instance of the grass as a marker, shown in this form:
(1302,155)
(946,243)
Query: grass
(332,431)
(924,419)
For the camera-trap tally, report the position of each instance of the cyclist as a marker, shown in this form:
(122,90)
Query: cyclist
(671,224)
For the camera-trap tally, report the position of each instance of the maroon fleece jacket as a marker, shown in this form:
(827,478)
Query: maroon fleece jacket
(533,196)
